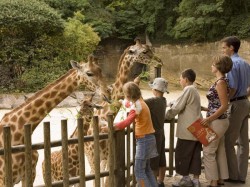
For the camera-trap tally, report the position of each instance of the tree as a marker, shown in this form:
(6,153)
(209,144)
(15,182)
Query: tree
(37,44)
(67,8)
(200,20)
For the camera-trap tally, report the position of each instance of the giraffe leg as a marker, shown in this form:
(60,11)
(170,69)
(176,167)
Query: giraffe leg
(89,152)
(34,163)
(1,182)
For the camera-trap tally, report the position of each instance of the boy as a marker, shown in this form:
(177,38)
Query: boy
(188,148)
(157,107)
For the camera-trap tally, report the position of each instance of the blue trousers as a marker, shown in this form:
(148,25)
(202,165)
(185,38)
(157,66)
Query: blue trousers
(145,149)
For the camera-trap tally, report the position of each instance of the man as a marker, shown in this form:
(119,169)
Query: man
(239,81)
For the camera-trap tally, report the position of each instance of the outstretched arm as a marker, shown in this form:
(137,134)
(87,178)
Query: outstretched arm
(123,124)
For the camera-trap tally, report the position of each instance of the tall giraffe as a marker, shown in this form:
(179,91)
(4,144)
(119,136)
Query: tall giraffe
(138,53)
(38,106)
(86,112)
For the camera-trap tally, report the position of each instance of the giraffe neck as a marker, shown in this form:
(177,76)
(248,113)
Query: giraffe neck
(87,122)
(121,79)
(39,105)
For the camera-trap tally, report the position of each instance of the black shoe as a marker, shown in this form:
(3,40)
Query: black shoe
(161,185)
(242,182)
(232,180)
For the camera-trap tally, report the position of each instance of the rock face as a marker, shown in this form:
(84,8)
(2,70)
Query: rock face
(10,101)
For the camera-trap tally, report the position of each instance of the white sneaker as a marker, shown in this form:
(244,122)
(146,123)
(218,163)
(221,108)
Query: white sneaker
(183,183)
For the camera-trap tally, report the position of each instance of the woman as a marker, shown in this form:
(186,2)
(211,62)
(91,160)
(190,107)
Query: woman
(215,160)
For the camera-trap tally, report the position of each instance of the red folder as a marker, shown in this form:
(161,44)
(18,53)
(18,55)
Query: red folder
(204,134)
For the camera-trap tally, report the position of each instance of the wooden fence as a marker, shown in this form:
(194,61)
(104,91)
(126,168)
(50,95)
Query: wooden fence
(120,165)
(118,141)
(120,170)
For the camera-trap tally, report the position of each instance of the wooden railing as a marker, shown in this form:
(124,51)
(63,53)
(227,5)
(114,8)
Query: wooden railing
(117,166)
(120,172)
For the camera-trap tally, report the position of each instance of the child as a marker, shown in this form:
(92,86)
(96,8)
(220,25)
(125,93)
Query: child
(144,134)
(157,107)
(188,148)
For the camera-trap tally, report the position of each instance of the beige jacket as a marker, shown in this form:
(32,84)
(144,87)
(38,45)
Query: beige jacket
(188,108)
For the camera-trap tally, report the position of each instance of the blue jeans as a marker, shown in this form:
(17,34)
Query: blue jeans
(145,149)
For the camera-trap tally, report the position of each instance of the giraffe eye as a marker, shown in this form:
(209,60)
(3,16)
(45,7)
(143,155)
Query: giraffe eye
(130,52)
(89,73)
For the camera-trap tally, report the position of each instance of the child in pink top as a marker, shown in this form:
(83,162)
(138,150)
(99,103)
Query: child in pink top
(144,133)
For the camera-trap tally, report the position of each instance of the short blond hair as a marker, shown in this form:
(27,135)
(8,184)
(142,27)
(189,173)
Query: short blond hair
(131,91)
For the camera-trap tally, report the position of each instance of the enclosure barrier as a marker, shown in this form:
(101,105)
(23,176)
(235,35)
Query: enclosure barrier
(119,172)
(117,166)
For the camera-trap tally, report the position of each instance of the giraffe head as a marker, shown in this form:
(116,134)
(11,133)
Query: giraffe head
(87,107)
(132,56)
(142,54)
(88,73)
(95,80)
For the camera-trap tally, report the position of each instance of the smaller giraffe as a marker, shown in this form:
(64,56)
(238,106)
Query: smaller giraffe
(86,112)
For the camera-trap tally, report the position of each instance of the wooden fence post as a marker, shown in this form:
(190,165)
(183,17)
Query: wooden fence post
(134,150)
(128,156)
(111,150)
(47,154)
(157,72)
(171,147)
(97,152)
(28,156)
(81,154)
(7,156)
(65,153)
(120,158)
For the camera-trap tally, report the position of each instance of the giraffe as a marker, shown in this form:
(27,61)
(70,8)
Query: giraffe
(138,53)
(86,112)
(35,108)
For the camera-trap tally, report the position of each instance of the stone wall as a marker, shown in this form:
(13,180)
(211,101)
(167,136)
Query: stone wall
(175,58)
(196,56)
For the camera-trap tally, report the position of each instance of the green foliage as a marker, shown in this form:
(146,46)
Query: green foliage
(31,56)
(77,42)
(239,26)
(29,18)
(198,20)
(67,8)
(80,39)
(149,11)
(40,75)
(101,19)
(128,24)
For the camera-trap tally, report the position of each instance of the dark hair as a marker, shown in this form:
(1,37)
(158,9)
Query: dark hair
(223,63)
(189,74)
(132,91)
(232,41)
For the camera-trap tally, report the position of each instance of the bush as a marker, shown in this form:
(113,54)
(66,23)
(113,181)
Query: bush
(30,18)
(38,44)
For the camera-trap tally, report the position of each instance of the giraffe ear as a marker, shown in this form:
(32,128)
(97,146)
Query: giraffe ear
(75,64)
